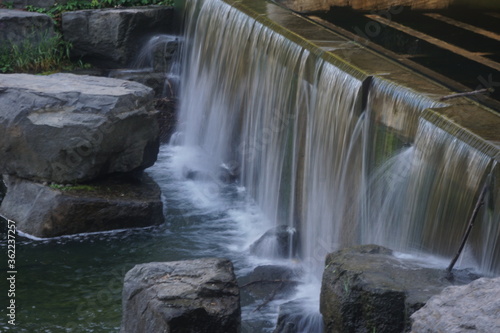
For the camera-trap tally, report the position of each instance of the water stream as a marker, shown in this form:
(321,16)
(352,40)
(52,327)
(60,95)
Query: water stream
(304,146)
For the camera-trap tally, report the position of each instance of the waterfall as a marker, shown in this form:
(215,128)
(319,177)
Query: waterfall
(343,158)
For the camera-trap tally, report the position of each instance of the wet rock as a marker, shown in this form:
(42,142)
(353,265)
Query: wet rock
(367,289)
(271,280)
(17,26)
(278,242)
(154,80)
(67,128)
(183,296)
(167,117)
(112,38)
(461,309)
(229,173)
(55,210)
(295,317)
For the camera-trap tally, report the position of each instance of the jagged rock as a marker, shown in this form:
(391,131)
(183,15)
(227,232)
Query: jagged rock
(296,317)
(68,128)
(17,26)
(271,280)
(461,309)
(54,210)
(367,289)
(199,296)
(113,37)
(278,242)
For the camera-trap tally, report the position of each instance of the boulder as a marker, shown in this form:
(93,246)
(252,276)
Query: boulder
(112,38)
(55,210)
(367,289)
(67,128)
(17,26)
(297,317)
(461,309)
(278,242)
(196,296)
(271,280)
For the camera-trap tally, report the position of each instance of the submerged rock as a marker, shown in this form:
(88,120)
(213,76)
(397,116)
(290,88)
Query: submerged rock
(67,128)
(367,289)
(278,242)
(271,280)
(294,317)
(54,210)
(199,296)
(113,37)
(461,309)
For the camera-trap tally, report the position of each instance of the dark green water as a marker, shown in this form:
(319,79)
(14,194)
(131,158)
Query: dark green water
(74,284)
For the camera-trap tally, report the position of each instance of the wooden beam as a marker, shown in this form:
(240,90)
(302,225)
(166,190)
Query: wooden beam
(495,15)
(435,41)
(463,25)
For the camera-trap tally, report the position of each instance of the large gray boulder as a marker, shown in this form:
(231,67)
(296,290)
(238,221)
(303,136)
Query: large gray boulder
(472,308)
(55,210)
(367,289)
(113,37)
(17,26)
(68,128)
(198,296)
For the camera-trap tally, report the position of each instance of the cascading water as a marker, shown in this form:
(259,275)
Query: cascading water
(341,158)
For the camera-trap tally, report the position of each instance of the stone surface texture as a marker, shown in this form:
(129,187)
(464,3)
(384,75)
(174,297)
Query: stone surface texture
(461,309)
(49,211)
(71,128)
(17,26)
(199,296)
(113,37)
(367,289)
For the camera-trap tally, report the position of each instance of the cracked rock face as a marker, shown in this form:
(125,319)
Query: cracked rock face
(67,128)
(199,295)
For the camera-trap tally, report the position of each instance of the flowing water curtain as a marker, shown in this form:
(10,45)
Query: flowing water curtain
(240,100)
(394,112)
(333,163)
(422,198)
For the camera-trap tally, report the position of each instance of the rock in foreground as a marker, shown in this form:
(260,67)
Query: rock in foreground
(472,308)
(50,211)
(367,289)
(67,128)
(199,296)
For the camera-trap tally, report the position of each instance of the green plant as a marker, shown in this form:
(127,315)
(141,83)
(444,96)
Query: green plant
(42,52)
(7,4)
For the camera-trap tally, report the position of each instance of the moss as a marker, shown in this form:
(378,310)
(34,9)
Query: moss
(76,187)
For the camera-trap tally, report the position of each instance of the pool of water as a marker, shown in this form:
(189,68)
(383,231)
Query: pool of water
(74,283)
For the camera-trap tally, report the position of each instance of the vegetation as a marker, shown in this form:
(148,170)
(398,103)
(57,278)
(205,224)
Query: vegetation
(56,10)
(52,53)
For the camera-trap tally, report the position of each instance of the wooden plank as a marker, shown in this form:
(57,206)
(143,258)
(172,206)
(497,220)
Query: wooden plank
(463,25)
(495,15)
(403,60)
(435,41)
